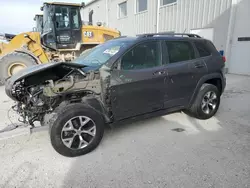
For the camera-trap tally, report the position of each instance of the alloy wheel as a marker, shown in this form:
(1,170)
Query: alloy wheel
(78,132)
(209,102)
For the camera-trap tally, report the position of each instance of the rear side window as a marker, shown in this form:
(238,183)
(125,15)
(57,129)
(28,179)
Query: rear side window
(180,51)
(202,49)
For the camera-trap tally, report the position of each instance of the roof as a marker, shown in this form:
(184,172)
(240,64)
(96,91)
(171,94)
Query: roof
(159,37)
(89,3)
(63,3)
(38,15)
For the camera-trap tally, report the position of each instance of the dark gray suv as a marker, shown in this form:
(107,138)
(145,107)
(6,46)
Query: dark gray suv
(124,79)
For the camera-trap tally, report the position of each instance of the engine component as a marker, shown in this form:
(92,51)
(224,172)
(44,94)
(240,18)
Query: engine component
(39,94)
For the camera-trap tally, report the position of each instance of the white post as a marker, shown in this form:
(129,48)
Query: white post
(107,14)
(158,15)
(230,32)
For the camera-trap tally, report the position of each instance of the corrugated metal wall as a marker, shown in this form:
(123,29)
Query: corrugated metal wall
(189,14)
(134,23)
(145,22)
(181,16)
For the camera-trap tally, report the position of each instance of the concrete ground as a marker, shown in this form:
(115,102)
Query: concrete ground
(211,153)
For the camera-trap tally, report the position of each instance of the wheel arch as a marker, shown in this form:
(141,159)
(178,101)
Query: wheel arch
(98,106)
(213,78)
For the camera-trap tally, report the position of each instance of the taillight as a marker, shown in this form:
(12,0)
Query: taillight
(221,52)
(224,59)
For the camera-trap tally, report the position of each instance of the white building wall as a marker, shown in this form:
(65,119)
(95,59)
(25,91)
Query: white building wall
(193,14)
(127,24)
(133,24)
(100,12)
(183,16)
(239,56)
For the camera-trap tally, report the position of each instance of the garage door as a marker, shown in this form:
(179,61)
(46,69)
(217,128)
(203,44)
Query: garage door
(240,52)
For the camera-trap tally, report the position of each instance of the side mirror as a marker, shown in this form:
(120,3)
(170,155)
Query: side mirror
(41,8)
(82,4)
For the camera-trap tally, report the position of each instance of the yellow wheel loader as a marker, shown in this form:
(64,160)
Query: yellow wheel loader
(63,38)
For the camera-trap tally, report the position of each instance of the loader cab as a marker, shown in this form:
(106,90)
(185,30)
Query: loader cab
(39,23)
(62,26)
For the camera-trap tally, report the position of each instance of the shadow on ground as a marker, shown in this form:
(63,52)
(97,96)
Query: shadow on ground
(151,153)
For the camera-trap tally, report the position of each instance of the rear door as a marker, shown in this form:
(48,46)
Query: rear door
(184,70)
(137,87)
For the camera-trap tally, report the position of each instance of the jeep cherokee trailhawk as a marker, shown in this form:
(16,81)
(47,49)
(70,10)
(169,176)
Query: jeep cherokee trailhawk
(124,79)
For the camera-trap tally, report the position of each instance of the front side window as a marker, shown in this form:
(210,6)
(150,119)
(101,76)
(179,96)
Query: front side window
(143,56)
(122,9)
(180,51)
(141,5)
(62,17)
(166,2)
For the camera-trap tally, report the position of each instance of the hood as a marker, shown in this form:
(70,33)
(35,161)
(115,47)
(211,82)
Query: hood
(32,70)
(88,66)
(91,68)
(41,73)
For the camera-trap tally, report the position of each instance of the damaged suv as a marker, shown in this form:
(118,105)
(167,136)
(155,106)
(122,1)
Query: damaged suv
(124,79)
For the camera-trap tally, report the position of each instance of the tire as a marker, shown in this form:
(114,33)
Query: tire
(72,113)
(198,110)
(12,58)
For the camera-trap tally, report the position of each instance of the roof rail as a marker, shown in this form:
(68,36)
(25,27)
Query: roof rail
(123,36)
(168,34)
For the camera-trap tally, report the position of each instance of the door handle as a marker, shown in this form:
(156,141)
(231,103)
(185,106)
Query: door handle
(198,65)
(159,72)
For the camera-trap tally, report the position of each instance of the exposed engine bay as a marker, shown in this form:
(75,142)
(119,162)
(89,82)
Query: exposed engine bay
(40,89)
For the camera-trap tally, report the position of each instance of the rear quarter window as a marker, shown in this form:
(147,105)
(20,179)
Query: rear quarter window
(202,49)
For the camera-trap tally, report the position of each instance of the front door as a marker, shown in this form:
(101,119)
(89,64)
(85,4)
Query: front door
(137,87)
(184,71)
(68,26)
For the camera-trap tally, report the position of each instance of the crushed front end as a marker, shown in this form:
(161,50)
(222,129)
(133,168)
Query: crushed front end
(40,89)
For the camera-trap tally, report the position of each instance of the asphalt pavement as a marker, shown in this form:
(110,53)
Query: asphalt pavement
(170,151)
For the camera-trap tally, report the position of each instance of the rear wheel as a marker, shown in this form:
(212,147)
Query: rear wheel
(77,130)
(206,103)
(13,63)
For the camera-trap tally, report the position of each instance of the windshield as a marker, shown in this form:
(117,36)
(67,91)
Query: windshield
(101,53)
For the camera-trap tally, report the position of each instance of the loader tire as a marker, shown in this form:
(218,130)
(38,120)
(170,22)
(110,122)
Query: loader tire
(12,63)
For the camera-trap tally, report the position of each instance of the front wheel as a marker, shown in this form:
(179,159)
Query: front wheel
(206,103)
(77,130)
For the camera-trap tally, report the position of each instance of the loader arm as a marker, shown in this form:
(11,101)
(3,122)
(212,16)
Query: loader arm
(29,41)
